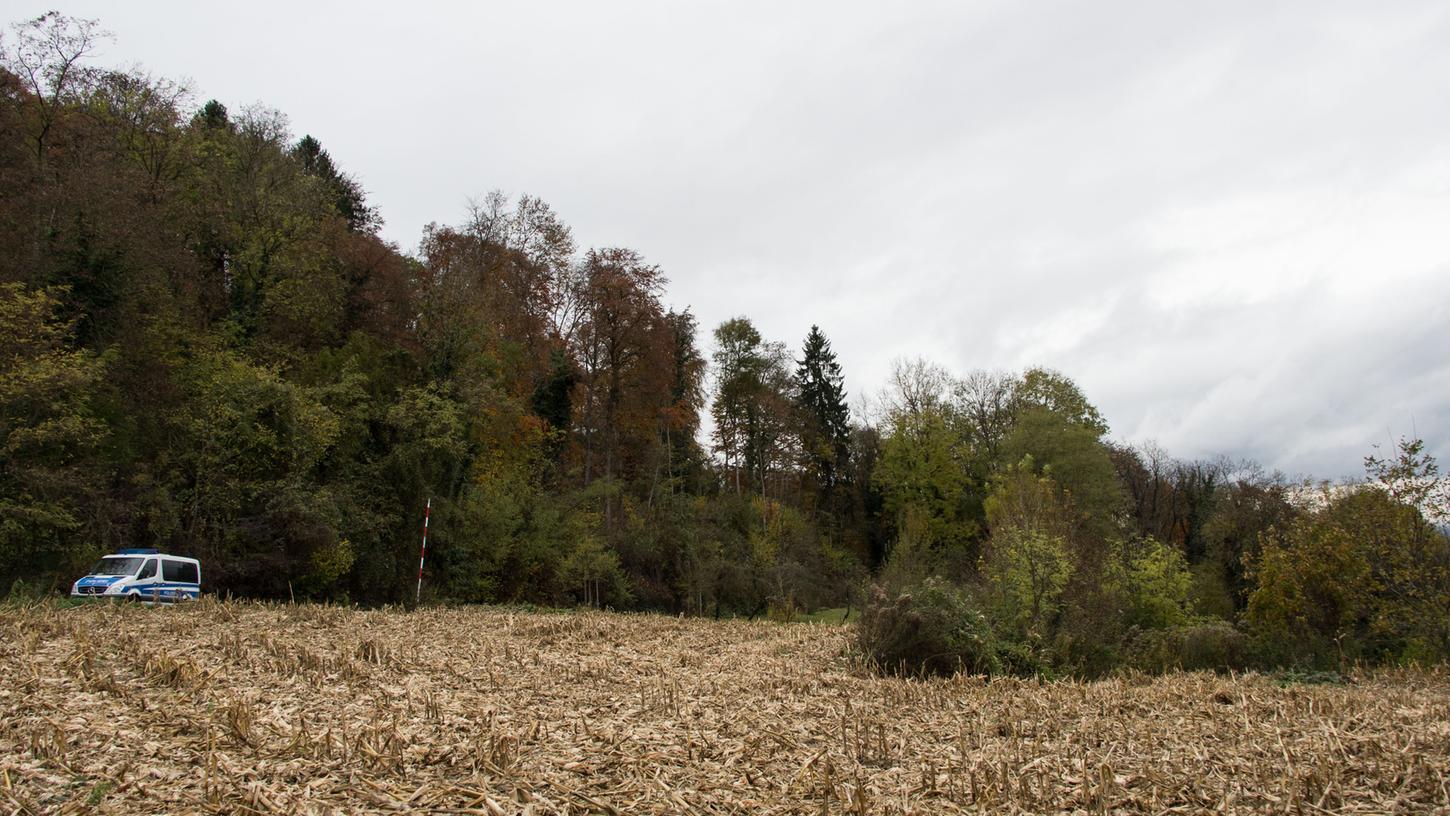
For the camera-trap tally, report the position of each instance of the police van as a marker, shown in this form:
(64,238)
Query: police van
(141,575)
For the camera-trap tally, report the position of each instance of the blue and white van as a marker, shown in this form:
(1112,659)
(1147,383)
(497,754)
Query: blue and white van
(141,575)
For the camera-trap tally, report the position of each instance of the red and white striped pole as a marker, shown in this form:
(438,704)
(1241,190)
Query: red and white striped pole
(422,553)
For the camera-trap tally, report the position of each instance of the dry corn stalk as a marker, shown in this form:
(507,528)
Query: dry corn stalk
(252,708)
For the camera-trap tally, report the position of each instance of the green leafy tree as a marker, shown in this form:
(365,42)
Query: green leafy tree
(1408,552)
(49,436)
(251,502)
(1364,577)
(1412,477)
(701,563)
(1027,561)
(594,571)
(1080,466)
(1243,510)
(1311,591)
(1157,585)
(983,415)
(1050,390)
(752,406)
(920,477)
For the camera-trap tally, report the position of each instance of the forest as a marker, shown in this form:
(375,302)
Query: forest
(206,347)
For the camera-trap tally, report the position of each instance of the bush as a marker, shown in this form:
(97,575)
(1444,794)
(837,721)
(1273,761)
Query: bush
(1214,645)
(593,571)
(1158,585)
(1363,579)
(931,628)
(1210,594)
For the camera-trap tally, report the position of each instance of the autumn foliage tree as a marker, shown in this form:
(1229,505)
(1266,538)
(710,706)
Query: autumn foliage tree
(1363,577)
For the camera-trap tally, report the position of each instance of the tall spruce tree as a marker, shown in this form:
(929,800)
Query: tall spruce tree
(824,418)
(347,195)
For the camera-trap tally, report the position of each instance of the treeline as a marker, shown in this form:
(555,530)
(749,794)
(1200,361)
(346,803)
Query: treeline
(1026,542)
(206,347)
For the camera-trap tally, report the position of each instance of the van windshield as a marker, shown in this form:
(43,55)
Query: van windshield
(117,566)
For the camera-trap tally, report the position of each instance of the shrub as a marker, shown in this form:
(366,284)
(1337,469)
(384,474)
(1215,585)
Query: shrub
(1210,594)
(1313,586)
(1026,564)
(593,570)
(1288,677)
(1158,585)
(930,628)
(1209,645)
(911,558)
(1363,578)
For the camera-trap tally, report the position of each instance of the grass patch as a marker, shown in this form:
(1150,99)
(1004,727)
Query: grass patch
(837,615)
(1290,677)
(98,793)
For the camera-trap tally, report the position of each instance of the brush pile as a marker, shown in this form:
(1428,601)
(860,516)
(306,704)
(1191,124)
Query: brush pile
(241,708)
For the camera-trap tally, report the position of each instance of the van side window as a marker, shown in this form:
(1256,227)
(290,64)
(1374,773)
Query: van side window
(182,571)
(148,571)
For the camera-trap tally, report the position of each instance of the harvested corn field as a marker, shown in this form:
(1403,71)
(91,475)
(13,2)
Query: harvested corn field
(239,708)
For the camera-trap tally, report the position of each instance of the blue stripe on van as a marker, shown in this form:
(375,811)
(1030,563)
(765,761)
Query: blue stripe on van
(166,590)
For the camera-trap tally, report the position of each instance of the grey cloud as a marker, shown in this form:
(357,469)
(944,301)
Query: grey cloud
(1225,220)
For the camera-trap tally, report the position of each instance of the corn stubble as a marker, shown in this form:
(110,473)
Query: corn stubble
(249,708)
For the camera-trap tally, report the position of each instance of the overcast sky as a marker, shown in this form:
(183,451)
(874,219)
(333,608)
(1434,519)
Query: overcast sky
(1228,222)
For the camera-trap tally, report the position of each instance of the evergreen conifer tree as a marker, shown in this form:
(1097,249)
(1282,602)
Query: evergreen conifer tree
(824,418)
